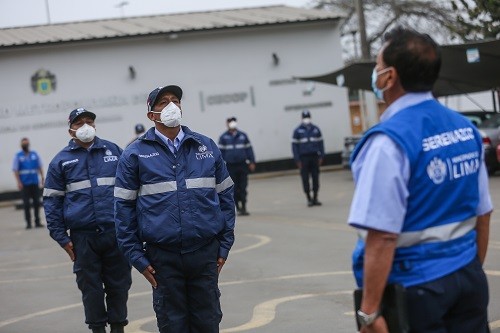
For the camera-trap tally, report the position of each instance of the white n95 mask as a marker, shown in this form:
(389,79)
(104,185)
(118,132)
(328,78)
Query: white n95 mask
(85,133)
(171,115)
(232,125)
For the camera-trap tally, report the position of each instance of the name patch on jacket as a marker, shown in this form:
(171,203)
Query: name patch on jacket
(70,162)
(110,157)
(204,153)
(150,155)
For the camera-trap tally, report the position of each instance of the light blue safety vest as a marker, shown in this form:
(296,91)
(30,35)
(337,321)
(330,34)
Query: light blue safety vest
(28,166)
(444,151)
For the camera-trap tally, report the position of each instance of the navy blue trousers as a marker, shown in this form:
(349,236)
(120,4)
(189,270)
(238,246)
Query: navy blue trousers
(103,275)
(239,174)
(310,168)
(31,192)
(187,297)
(456,303)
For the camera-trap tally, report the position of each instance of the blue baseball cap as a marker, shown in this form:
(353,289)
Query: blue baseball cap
(78,113)
(153,96)
(306,114)
(139,128)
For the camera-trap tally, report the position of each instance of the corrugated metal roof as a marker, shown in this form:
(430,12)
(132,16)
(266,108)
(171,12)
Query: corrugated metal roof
(161,24)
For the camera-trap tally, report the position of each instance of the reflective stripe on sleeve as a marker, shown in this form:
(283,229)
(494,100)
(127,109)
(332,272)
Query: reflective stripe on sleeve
(242,146)
(226,183)
(436,234)
(158,188)
(105,181)
(78,186)
(48,192)
(125,194)
(208,182)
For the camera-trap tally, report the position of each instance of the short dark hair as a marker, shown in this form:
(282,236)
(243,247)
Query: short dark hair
(416,57)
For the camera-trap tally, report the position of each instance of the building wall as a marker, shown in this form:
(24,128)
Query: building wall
(224,73)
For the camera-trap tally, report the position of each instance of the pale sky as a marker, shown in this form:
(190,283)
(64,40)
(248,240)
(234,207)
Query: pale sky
(15,13)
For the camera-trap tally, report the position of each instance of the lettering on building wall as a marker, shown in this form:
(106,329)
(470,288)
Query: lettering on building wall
(281,82)
(227,98)
(296,107)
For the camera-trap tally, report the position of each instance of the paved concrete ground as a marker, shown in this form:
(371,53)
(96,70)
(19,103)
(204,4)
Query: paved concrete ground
(289,270)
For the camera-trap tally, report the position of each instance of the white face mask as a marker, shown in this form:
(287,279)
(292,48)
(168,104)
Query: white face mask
(170,116)
(85,133)
(306,121)
(232,125)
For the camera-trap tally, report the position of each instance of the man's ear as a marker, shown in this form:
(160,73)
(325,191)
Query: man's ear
(393,77)
(69,132)
(151,115)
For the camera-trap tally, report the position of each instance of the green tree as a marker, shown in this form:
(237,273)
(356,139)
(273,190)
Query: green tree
(446,21)
(479,19)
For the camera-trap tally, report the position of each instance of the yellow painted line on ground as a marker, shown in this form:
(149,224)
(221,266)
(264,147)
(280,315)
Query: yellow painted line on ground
(148,293)
(263,240)
(264,313)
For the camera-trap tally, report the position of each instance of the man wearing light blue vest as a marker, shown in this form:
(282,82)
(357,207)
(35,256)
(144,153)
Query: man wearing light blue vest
(421,203)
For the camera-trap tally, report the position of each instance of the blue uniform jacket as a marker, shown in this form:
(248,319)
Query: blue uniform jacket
(178,202)
(236,148)
(307,140)
(78,193)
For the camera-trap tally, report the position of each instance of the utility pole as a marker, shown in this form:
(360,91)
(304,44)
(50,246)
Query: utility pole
(121,5)
(47,9)
(368,104)
(365,48)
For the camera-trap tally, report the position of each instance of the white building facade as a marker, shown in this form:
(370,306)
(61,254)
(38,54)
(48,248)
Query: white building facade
(238,63)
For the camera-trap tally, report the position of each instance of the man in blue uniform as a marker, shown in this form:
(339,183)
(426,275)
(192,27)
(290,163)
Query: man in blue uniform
(78,197)
(421,203)
(174,215)
(139,130)
(237,151)
(26,166)
(308,153)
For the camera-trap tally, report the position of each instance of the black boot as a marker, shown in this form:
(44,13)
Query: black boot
(117,328)
(100,329)
(315,200)
(243,211)
(309,201)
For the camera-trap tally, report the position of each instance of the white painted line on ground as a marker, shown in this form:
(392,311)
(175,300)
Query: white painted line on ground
(263,240)
(28,268)
(40,313)
(52,278)
(135,326)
